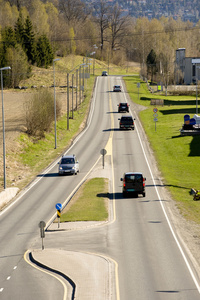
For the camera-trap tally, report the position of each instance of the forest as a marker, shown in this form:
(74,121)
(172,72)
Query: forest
(34,33)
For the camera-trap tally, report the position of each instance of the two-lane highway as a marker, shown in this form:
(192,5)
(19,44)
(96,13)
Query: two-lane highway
(19,223)
(151,261)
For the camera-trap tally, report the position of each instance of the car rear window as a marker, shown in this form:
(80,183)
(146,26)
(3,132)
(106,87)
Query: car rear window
(127,118)
(133,177)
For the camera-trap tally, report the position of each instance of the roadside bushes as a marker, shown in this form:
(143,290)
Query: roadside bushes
(40,113)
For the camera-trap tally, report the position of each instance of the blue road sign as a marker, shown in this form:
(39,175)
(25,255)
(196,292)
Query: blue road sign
(58,206)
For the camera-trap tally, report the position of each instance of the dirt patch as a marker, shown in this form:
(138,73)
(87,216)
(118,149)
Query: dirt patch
(15,124)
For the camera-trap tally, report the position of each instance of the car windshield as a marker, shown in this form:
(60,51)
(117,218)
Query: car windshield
(133,177)
(67,160)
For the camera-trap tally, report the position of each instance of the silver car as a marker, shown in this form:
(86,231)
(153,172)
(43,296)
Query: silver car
(68,165)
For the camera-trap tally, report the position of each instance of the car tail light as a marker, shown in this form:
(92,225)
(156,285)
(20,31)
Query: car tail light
(124,182)
(143,182)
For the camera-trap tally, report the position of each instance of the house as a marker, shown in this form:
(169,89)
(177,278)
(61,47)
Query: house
(187,69)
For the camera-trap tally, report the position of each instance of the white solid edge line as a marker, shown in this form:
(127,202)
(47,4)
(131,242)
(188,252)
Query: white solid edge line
(166,216)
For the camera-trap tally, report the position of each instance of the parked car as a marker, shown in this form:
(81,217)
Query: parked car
(133,183)
(126,122)
(68,165)
(117,88)
(104,73)
(123,107)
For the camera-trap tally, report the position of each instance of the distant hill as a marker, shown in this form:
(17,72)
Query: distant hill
(187,10)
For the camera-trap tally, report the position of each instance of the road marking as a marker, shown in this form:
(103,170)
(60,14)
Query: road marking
(8,278)
(51,274)
(1,290)
(166,216)
(109,144)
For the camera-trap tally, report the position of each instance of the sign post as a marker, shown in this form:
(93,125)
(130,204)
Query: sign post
(138,86)
(42,225)
(58,207)
(155,116)
(103,153)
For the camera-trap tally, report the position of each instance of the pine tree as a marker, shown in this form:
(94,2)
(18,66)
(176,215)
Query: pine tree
(44,52)
(8,38)
(19,30)
(151,63)
(29,41)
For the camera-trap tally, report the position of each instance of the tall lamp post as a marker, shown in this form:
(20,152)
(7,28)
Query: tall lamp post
(95,48)
(56,59)
(197,67)
(4,148)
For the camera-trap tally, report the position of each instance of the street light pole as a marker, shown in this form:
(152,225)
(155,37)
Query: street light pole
(95,47)
(197,67)
(56,59)
(4,147)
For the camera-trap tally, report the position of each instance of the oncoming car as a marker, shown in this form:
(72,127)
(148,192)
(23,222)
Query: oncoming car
(133,183)
(68,165)
(104,73)
(117,88)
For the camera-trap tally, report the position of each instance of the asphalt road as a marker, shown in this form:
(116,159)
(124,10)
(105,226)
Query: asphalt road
(151,264)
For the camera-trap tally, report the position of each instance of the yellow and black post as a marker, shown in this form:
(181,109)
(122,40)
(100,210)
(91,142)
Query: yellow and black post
(58,216)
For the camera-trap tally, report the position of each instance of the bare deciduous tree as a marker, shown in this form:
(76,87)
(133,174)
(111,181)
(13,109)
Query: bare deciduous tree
(102,19)
(73,11)
(118,27)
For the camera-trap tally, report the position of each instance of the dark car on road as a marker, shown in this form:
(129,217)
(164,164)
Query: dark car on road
(104,73)
(133,183)
(123,107)
(126,122)
(117,88)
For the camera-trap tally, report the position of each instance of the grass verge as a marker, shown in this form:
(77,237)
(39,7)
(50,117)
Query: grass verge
(90,203)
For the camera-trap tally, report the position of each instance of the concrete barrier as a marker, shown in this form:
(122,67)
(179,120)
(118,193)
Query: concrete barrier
(7,195)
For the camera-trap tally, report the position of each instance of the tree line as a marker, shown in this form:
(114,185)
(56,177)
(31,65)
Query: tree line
(32,33)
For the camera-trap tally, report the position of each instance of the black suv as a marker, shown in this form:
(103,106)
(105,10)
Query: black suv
(123,107)
(133,183)
(126,122)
